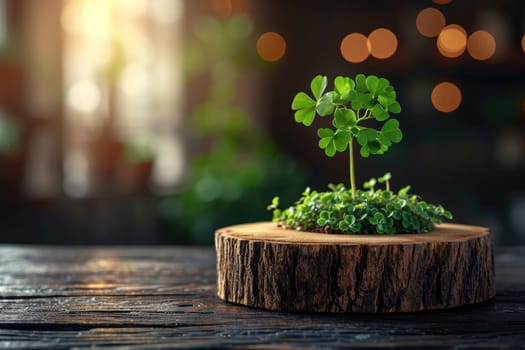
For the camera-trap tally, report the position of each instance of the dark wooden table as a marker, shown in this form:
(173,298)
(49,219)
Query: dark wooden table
(156,297)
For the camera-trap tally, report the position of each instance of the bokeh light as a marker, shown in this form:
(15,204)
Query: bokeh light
(481,45)
(77,18)
(223,8)
(354,48)
(452,41)
(430,21)
(442,2)
(446,97)
(271,46)
(84,96)
(523,42)
(382,43)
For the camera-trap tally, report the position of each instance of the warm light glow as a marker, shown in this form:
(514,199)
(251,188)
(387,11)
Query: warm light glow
(382,43)
(458,27)
(84,96)
(354,48)
(134,79)
(442,2)
(452,41)
(166,11)
(223,8)
(78,17)
(523,42)
(481,45)
(430,21)
(271,46)
(446,97)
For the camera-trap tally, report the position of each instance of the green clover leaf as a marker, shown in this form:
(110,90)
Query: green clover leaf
(333,142)
(360,83)
(365,135)
(391,130)
(360,100)
(344,118)
(304,107)
(325,105)
(394,107)
(318,85)
(343,86)
(379,113)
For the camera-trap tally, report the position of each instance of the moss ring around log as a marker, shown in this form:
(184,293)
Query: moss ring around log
(264,266)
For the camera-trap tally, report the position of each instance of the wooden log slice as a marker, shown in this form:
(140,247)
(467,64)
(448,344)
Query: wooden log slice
(264,266)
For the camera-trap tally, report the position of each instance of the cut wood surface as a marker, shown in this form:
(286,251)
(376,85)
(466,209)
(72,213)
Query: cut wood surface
(165,297)
(262,265)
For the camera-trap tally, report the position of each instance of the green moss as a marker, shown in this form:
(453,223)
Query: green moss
(372,211)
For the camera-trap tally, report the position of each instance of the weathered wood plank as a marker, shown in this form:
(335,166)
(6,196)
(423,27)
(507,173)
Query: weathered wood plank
(165,297)
(26,271)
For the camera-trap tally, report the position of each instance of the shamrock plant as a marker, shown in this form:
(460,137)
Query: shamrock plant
(361,111)
(352,103)
(372,211)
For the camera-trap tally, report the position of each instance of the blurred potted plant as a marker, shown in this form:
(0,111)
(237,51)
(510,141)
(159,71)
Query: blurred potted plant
(235,167)
(11,155)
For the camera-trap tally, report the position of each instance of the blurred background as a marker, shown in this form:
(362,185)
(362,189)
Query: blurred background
(159,121)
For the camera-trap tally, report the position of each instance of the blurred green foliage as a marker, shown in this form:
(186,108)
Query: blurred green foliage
(235,168)
(9,134)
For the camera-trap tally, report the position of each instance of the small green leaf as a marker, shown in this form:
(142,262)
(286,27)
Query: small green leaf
(341,140)
(379,113)
(365,135)
(330,149)
(360,99)
(386,98)
(371,83)
(370,183)
(391,130)
(344,118)
(318,85)
(404,191)
(384,140)
(364,151)
(392,124)
(394,108)
(386,177)
(325,105)
(305,116)
(325,132)
(374,146)
(447,214)
(394,135)
(302,100)
(360,83)
(324,142)
(350,219)
(343,85)
(382,84)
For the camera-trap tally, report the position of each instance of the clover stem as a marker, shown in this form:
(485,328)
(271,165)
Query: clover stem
(387,185)
(352,175)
